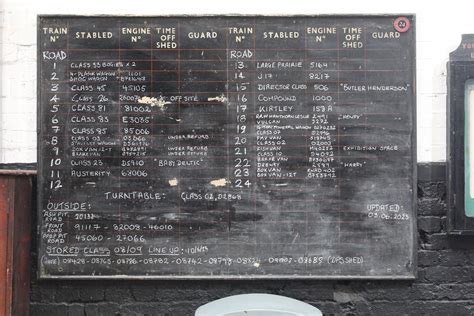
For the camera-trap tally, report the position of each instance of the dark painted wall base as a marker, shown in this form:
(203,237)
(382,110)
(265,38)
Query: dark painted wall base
(445,284)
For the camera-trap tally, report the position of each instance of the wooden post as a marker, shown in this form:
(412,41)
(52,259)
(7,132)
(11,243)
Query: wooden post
(15,235)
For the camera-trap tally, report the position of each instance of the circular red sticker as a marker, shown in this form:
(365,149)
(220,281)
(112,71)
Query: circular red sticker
(401,24)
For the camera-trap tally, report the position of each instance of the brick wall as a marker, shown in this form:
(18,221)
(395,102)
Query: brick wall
(445,284)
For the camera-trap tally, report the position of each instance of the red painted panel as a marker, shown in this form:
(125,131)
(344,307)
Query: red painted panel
(21,249)
(15,226)
(3,244)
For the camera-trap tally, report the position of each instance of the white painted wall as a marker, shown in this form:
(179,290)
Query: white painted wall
(439,29)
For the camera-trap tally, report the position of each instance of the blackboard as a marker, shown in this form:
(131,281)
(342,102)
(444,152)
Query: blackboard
(460,79)
(226,147)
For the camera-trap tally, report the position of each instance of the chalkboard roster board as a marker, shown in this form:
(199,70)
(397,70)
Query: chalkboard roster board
(226,147)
